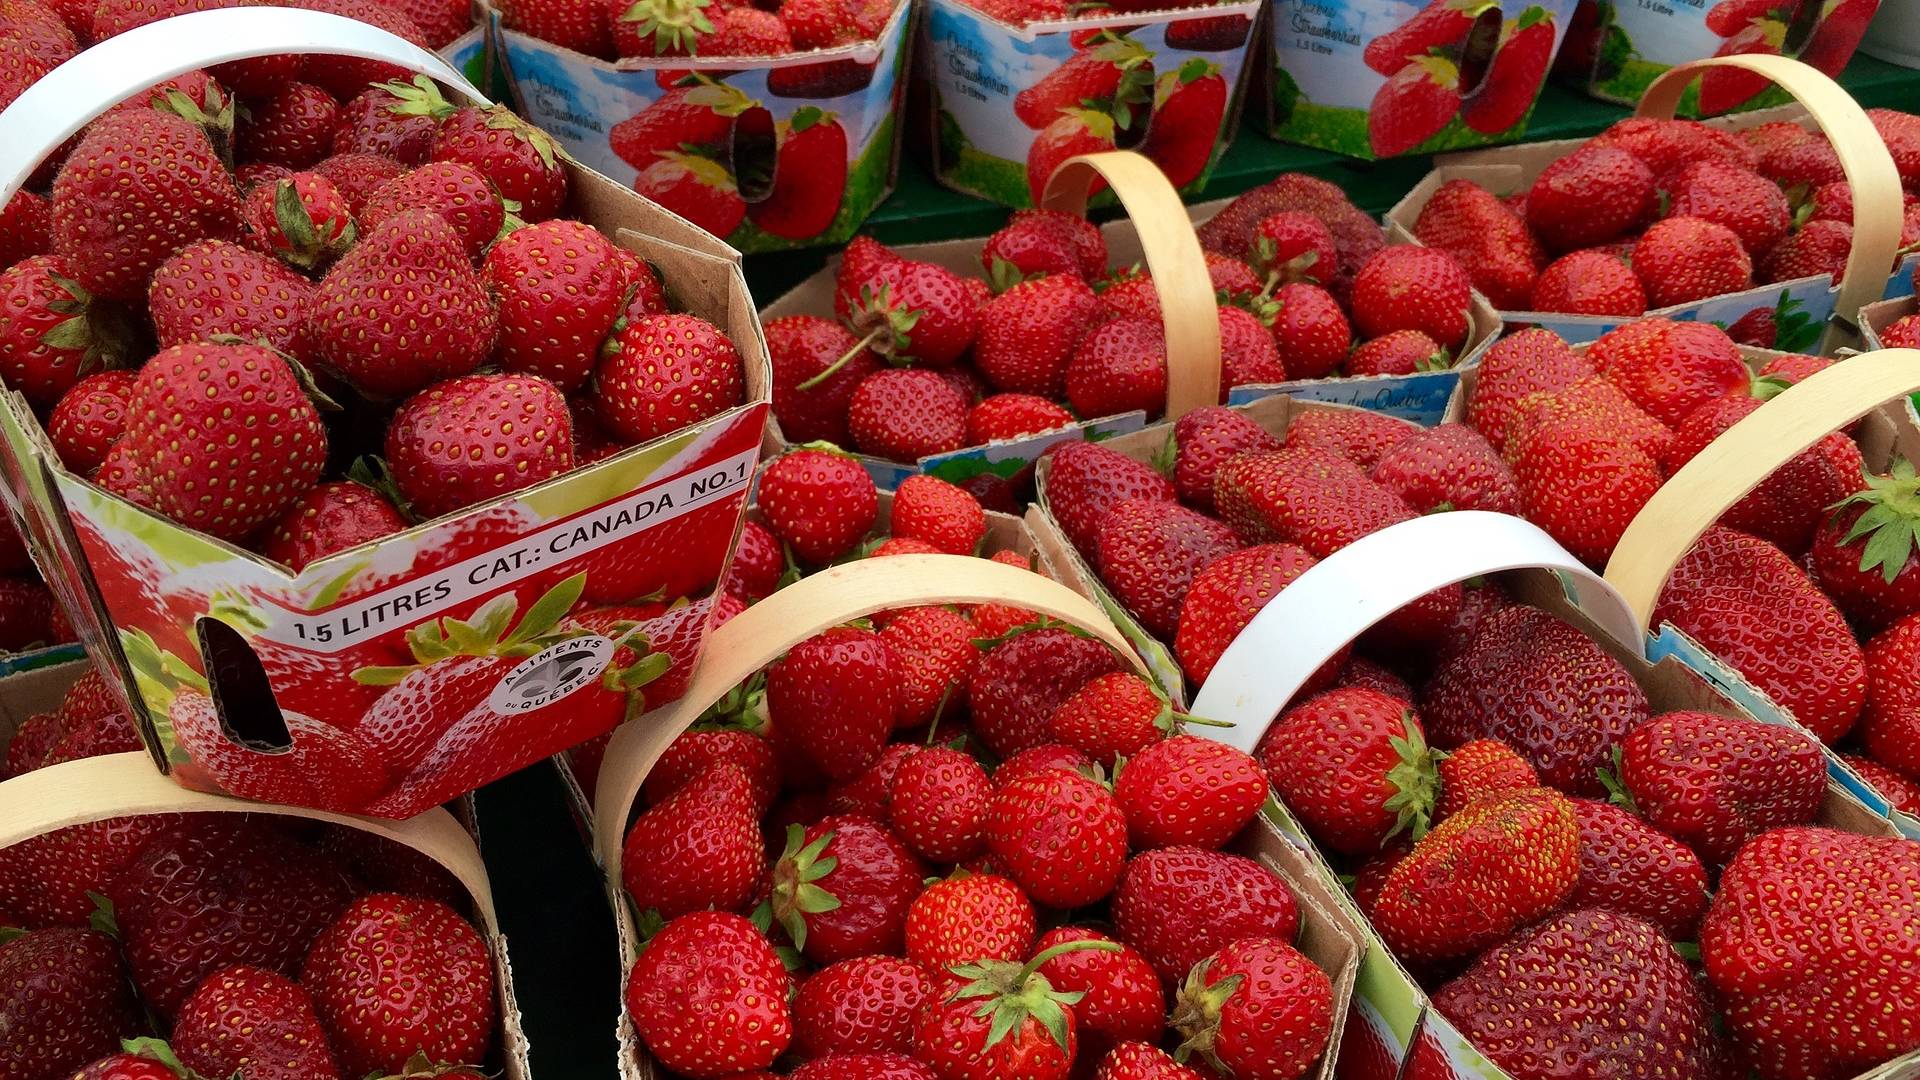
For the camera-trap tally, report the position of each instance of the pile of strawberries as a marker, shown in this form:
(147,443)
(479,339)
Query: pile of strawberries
(921,819)
(923,360)
(1654,213)
(139,948)
(1022,12)
(303,267)
(614,29)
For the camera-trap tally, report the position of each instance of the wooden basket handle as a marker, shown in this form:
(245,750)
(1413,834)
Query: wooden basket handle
(1745,454)
(1188,308)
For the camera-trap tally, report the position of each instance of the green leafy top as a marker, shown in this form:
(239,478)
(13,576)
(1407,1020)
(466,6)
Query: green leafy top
(1891,522)
(1011,994)
(1416,781)
(796,889)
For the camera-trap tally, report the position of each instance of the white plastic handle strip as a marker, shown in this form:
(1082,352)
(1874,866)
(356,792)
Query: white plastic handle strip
(52,110)
(1326,608)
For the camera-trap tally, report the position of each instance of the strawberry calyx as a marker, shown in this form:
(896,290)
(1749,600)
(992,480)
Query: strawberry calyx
(303,245)
(1011,994)
(743,708)
(1891,522)
(218,124)
(796,892)
(421,1067)
(501,118)
(10,933)
(675,25)
(1768,387)
(158,1050)
(1438,360)
(487,633)
(1616,789)
(1196,1014)
(885,323)
(1415,779)
(99,331)
(418,97)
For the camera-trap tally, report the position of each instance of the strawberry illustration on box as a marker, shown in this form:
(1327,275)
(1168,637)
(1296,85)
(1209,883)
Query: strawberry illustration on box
(1019,89)
(1381,78)
(492,536)
(769,130)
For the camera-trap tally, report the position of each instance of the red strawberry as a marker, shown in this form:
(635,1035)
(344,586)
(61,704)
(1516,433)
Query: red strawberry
(66,999)
(809,176)
(1097,72)
(558,293)
(1085,480)
(817,365)
(1818,248)
(1354,765)
(1122,997)
(139,185)
(1188,791)
(1310,330)
(1028,334)
(1040,758)
(1682,259)
(292,127)
(52,331)
(1862,555)
(1441,24)
(246,1019)
(1023,680)
(695,187)
(1523,364)
(1062,837)
(357,176)
(1202,441)
(928,508)
(1119,366)
(1789,505)
(378,121)
(1902,793)
(1589,282)
(1477,768)
(1628,866)
(1515,75)
(909,310)
(1257,1008)
(1581,481)
(580,25)
(819,503)
(1035,242)
(1071,133)
(1745,600)
(1303,494)
(1142,1061)
(1406,287)
(968,918)
(699,116)
(698,847)
(864,1005)
(934,655)
(302,218)
(1670,368)
(843,887)
(1359,436)
(708,996)
(471,439)
(522,162)
(834,693)
(1593,195)
(1293,245)
(26,226)
(1224,598)
(214,287)
(454,191)
(1248,352)
(1401,352)
(1004,1020)
(1447,467)
(1488,238)
(904,414)
(939,801)
(1413,106)
(1716,781)
(1742,200)
(1177,905)
(664,373)
(1148,553)
(1115,715)
(693,753)
(1189,107)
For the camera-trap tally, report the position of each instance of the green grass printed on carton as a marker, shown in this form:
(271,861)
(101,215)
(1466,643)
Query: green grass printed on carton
(1344,130)
(1630,85)
(867,182)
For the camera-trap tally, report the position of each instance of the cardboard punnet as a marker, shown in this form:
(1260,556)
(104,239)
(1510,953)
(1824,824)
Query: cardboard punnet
(1329,89)
(1802,309)
(125,785)
(1006,100)
(1336,600)
(843,593)
(791,151)
(261,657)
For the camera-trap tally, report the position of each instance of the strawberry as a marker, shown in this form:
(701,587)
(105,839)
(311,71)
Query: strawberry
(475,438)
(931,509)
(1226,595)
(1789,505)
(1581,481)
(1040,758)
(1202,441)
(1628,866)
(817,364)
(835,694)
(1061,837)
(1529,362)
(818,502)
(1089,75)
(842,888)
(246,1019)
(1412,106)
(810,172)
(908,311)
(692,753)
(1029,334)
(662,373)
(1809,162)
(1501,862)
(860,1066)
(906,414)
(522,162)
(1248,352)
(292,127)
(1142,1061)
(695,187)
(1190,792)
(1487,237)
(1862,555)
(1148,553)
(1115,715)
(864,1005)
(1356,235)
(1593,990)
(558,293)
(1804,1002)
(708,996)
(934,655)
(1670,368)
(1744,600)
(52,331)
(1592,399)
(1189,107)
(357,176)
(1353,764)
(1818,248)
(1367,674)
(1406,287)
(1682,259)
(1902,793)
(1441,24)
(1310,330)
(939,801)
(1679,768)
(26,227)
(825,24)
(1121,996)
(1447,467)
(1072,133)
(1359,436)
(378,121)
(967,918)
(1256,1008)
(1023,680)
(1119,366)
(157,177)
(302,218)
(1589,282)
(1478,768)
(1515,75)
(1594,195)
(1305,495)
(454,191)
(1401,352)
(579,25)
(1085,480)
(697,847)
(1753,207)
(1177,905)
(213,287)
(66,999)
(1004,1020)
(1293,245)
(402,309)
(255,897)
(1035,242)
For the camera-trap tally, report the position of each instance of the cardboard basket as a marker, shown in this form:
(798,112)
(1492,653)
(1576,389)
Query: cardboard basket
(989,90)
(125,785)
(1327,92)
(158,605)
(1341,596)
(768,629)
(1808,304)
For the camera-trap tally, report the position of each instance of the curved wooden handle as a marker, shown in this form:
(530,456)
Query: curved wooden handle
(1877,204)
(833,597)
(1745,454)
(1179,267)
(1325,609)
(127,785)
(53,109)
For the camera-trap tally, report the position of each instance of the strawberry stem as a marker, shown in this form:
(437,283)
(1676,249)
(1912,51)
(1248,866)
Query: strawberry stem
(861,346)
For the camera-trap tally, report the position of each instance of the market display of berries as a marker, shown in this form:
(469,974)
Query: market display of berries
(614,29)
(1650,214)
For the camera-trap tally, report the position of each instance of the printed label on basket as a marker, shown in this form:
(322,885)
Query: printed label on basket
(1421,398)
(552,674)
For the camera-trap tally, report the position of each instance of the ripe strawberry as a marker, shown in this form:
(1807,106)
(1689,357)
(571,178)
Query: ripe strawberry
(1202,441)
(1769,948)
(357,176)
(698,847)
(817,364)
(1594,195)
(864,1005)
(1115,715)
(1028,334)
(1862,555)
(1086,480)
(1441,24)
(833,23)
(580,25)
(1680,770)
(1177,905)
(1790,504)
(1526,363)
(1005,1020)
(302,218)
(475,438)
(1628,866)
(522,162)
(1589,282)
(1809,162)
(1413,105)
(1310,330)
(1401,352)
(1142,1061)
(1515,75)
(1035,242)
(1061,837)
(213,287)
(292,127)
(939,800)
(934,655)
(664,373)
(52,331)
(1148,553)
(1072,133)
(1256,1008)
(810,170)
(818,502)
(1447,467)
(708,996)
(1581,481)
(834,694)
(1189,792)
(904,414)
(1406,287)
(842,888)
(558,292)
(1225,597)
(1670,368)
(910,310)
(1901,793)
(328,519)
(454,191)
(252,1021)
(1682,259)
(378,121)
(1818,248)
(1353,765)
(1592,972)
(1040,758)
(1119,366)
(138,186)
(1305,495)
(1359,436)
(26,227)
(968,918)
(931,509)
(1753,207)
(1745,601)
(1501,862)
(1293,245)
(1597,401)
(65,995)
(1023,680)
(1248,352)
(1122,999)
(1189,107)
(1487,237)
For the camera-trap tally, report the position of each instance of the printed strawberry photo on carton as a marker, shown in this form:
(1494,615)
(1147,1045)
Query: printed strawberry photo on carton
(769,129)
(1381,78)
(1749,222)
(1018,88)
(450,572)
